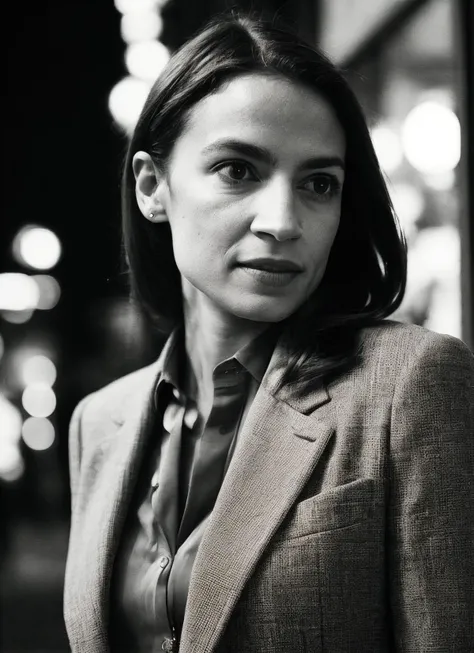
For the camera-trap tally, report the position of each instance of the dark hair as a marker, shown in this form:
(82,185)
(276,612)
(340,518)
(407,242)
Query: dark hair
(365,277)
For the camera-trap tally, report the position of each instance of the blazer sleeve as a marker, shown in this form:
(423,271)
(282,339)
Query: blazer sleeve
(431,514)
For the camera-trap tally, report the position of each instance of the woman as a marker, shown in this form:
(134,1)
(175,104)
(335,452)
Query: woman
(295,472)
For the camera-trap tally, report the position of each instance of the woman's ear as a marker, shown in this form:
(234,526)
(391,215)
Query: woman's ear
(148,187)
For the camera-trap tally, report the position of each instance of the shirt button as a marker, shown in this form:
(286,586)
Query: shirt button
(154,481)
(170,417)
(190,417)
(163,561)
(168,645)
(176,394)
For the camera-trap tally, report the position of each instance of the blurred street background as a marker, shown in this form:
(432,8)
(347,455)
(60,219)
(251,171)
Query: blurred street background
(77,75)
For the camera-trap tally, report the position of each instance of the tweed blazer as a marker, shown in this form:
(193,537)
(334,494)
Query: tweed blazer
(343,525)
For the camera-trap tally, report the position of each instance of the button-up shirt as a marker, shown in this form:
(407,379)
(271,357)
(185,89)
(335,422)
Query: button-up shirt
(181,477)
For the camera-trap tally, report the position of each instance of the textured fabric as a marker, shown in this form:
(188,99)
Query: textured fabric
(168,516)
(345,520)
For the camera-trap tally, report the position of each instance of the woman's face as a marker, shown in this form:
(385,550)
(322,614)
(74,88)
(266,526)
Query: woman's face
(253,197)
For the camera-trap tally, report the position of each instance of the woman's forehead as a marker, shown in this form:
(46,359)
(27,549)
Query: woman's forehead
(266,110)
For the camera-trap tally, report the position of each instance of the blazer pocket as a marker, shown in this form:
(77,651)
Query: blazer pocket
(339,507)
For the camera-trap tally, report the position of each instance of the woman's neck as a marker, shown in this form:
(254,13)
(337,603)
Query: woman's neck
(211,336)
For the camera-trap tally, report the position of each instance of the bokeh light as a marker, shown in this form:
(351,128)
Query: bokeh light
(408,202)
(37,247)
(10,420)
(23,356)
(38,433)
(18,292)
(38,369)
(141,26)
(388,147)
(126,101)
(146,59)
(39,400)
(11,462)
(12,465)
(431,138)
(17,317)
(132,6)
(49,291)
(442,181)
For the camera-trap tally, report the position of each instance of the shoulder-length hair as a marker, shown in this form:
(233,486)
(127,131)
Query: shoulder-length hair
(365,277)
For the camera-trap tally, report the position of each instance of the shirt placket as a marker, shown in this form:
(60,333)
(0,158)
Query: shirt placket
(164,503)
(212,451)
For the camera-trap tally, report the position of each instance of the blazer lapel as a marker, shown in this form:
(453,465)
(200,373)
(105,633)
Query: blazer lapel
(277,451)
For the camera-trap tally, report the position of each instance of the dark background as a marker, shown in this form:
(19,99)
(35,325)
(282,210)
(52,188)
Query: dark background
(62,161)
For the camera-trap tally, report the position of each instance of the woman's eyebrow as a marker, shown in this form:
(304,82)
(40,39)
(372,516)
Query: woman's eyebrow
(262,154)
(241,147)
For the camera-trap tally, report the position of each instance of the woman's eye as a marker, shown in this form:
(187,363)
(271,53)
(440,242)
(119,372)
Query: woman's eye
(323,186)
(235,171)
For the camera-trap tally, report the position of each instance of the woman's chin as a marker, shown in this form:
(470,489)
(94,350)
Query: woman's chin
(277,311)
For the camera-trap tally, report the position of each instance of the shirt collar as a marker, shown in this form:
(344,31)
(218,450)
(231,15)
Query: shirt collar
(254,357)
(171,359)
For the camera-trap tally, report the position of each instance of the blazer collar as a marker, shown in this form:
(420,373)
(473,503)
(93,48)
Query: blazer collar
(294,395)
(151,377)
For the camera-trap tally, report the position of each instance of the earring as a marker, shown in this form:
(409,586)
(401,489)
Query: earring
(151,215)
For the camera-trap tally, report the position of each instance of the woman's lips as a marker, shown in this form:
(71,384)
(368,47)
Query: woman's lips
(267,277)
(272,265)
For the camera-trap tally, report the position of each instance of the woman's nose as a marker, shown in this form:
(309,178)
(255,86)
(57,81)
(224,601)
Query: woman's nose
(275,213)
